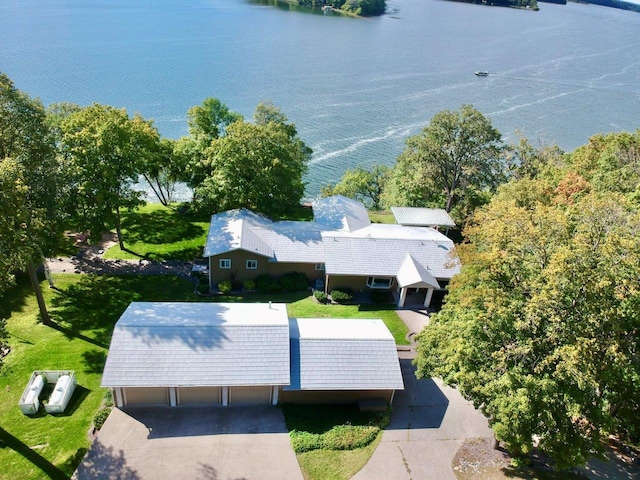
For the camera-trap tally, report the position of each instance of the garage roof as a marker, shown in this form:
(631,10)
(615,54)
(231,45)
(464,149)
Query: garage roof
(343,354)
(199,344)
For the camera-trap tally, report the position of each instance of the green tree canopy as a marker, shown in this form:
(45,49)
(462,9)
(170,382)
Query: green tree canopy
(103,151)
(254,165)
(28,181)
(540,328)
(360,184)
(454,159)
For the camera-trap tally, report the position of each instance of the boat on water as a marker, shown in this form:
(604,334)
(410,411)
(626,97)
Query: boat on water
(481,73)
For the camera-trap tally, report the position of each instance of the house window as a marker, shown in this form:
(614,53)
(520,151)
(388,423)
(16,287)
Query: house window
(379,282)
(319,266)
(252,264)
(225,263)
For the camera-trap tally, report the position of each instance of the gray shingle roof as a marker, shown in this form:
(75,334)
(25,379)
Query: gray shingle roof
(199,344)
(285,241)
(343,354)
(340,213)
(385,256)
(422,216)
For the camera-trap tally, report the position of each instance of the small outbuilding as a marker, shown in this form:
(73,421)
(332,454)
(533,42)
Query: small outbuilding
(235,353)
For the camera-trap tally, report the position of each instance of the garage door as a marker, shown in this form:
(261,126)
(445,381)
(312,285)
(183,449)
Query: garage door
(146,396)
(199,395)
(250,395)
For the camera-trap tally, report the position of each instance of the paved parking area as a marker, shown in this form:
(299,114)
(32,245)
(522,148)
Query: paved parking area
(220,443)
(428,425)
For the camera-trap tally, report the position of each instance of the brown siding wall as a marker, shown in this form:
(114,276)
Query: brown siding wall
(333,396)
(346,281)
(240,272)
(356,283)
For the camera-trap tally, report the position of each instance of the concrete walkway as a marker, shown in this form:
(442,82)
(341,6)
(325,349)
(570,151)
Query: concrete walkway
(89,259)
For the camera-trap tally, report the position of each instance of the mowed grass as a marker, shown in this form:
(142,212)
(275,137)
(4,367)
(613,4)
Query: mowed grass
(308,308)
(381,217)
(333,442)
(84,309)
(156,232)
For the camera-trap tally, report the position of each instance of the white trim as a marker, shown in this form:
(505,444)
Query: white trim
(251,262)
(374,282)
(225,263)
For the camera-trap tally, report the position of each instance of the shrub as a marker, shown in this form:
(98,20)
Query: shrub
(101,417)
(249,285)
(320,296)
(294,282)
(344,295)
(267,284)
(225,286)
(203,288)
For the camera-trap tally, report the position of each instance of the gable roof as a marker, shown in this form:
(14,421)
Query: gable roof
(285,241)
(233,230)
(199,344)
(343,354)
(413,274)
(424,217)
(381,250)
(340,213)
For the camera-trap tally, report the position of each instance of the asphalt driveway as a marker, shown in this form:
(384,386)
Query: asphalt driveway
(230,443)
(428,425)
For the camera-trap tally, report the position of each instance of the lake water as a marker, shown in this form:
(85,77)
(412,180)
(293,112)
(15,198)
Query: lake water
(355,88)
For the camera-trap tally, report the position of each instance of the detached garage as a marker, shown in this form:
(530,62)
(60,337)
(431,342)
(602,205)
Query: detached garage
(198,354)
(233,353)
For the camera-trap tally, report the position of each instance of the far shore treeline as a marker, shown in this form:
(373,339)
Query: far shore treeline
(541,328)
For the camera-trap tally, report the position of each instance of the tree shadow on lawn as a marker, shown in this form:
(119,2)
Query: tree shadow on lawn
(89,309)
(8,440)
(159,227)
(15,298)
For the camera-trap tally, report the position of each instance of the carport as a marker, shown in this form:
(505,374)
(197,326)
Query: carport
(165,353)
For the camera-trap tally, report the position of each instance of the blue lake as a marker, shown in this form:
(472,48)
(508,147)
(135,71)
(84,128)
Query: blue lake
(355,88)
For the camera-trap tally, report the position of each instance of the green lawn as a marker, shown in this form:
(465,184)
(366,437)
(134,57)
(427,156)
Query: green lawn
(381,217)
(156,232)
(333,442)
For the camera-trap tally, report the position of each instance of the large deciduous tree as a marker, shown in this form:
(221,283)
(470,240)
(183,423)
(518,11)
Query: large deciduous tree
(28,181)
(541,327)
(361,184)
(103,150)
(254,165)
(207,122)
(457,156)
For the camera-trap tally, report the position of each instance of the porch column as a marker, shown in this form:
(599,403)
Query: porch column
(225,396)
(172,396)
(274,395)
(403,296)
(427,300)
(118,396)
